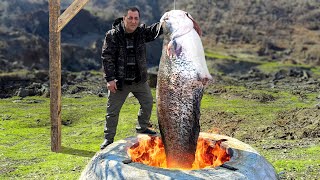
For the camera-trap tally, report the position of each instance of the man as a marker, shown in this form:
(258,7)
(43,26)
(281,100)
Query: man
(125,68)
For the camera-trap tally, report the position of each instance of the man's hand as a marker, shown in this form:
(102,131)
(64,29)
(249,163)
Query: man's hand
(112,86)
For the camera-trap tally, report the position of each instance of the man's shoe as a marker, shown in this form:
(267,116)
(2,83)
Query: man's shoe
(149,125)
(146,131)
(105,144)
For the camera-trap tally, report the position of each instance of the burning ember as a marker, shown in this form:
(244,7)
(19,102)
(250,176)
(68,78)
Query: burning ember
(150,151)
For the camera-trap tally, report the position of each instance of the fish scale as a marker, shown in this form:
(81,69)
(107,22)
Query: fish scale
(180,88)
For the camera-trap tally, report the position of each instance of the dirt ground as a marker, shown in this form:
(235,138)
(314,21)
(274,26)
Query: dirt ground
(289,132)
(296,123)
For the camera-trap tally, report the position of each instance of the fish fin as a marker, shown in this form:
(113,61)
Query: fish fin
(208,80)
(204,81)
(170,51)
(173,49)
(177,49)
(195,25)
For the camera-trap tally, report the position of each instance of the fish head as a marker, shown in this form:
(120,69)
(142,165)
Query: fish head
(176,23)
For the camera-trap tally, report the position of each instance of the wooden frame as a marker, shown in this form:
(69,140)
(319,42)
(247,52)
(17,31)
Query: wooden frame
(56,23)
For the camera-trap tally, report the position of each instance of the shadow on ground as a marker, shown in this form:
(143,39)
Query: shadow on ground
(77,152)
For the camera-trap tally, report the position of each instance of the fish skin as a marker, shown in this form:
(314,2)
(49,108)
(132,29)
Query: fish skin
(182,77)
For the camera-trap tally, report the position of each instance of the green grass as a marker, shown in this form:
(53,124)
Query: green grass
(272,67)
(238,57)
(266,67)
(25,149)
(21,73)
(235,103)
(316,70)
(216,55)
(295,162)
(298,162)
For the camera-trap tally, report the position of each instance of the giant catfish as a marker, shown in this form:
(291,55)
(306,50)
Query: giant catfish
(182,76)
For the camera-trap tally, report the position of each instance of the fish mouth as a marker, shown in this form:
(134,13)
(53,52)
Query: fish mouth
(162,21)
(159,28)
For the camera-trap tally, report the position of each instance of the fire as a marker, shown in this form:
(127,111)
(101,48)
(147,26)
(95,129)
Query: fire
(150,151)
(209,154)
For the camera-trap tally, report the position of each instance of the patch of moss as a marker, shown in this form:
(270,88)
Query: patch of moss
(272,67)
(215,55)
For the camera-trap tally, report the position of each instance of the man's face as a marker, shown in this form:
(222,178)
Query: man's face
(131,21)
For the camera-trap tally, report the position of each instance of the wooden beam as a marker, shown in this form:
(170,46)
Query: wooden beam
(55,74)
(70,12)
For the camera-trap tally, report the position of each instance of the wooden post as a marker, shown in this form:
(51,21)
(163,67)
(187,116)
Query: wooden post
(56,23)
(55,74)
(70,12)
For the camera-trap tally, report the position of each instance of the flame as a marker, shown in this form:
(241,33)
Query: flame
(209,154)
(150,151)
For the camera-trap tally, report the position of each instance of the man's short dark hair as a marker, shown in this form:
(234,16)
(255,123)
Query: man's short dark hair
(133,8)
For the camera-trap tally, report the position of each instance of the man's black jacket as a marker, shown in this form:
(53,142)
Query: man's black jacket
(114,55)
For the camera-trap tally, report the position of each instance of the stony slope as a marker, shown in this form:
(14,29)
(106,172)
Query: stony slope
(276,30)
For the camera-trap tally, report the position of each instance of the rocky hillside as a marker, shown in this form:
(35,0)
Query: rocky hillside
(275,30)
